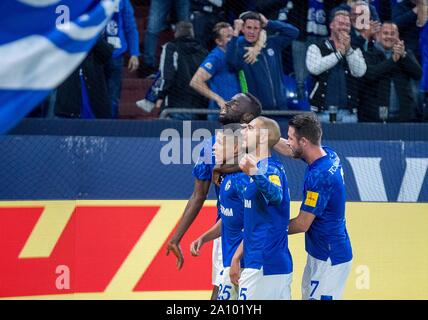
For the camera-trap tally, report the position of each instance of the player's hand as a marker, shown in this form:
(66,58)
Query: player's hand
(133,63)
(196,246)
(217,175)
(248,164)
(234,272)
(176,250)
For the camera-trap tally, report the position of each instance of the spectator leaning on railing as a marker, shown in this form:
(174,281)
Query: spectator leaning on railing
(335,64)
(264,77)
(390,67)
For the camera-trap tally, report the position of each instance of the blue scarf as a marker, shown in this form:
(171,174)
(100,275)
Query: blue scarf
(316,18)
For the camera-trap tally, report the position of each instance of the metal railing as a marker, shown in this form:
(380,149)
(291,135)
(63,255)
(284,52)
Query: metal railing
(166,112)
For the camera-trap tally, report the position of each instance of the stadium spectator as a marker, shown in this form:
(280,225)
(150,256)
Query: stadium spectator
(179,61)
(265,77)
(347,6)
(408,16)
(121,32)
(159,10)
(84,93)
(205,14)
(364,29)
(335,65)
(310,17)
(213,79)
(390,68)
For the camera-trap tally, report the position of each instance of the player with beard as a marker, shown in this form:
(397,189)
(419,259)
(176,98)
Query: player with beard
(322,213)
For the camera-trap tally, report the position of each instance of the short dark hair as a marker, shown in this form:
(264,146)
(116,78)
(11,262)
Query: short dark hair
(256,106)
(250,15)
(389,22)
(307,125)
(184,29)
(218,27)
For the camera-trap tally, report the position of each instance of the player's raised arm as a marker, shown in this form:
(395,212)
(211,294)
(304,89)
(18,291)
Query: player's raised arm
(213,233)
(268,184)
(192,209)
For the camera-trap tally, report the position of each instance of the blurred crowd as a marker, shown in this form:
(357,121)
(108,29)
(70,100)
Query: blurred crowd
(348,61)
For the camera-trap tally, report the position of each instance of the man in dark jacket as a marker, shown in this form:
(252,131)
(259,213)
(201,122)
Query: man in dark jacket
(388,79)
(84,93)
(264,77)
(408,15)
(180,59)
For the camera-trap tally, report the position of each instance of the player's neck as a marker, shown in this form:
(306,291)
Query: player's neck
(313,154)
(262,153)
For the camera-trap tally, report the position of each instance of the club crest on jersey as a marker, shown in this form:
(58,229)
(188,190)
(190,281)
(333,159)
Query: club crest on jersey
(270,52)
(228,184)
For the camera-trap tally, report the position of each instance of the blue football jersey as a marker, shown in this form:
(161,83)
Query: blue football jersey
(324,195)
(231,202)
(266,218)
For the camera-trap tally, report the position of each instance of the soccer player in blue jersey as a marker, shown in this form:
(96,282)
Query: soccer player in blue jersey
(241,109)
(231,202)
(322,213)
(268,265)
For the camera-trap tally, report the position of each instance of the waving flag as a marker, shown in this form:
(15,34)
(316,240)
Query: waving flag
(41,43)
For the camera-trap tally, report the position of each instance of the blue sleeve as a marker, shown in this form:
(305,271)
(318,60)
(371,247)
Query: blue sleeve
(240,184)
(131,31)
(210,64)
(285,33)
(270,186)
(204,166)
(403,17)
(318,191)
(234,54)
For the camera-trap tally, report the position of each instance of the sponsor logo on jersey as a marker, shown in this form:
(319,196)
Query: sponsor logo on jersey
(247,204)
(228,212)
(311,199)
(275,179)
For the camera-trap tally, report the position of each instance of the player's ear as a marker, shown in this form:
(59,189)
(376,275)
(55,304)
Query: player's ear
(247,117)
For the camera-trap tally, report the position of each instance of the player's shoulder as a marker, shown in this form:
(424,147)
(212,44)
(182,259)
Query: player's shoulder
(275,166)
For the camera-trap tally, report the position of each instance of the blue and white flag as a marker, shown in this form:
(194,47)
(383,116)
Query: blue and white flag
(41,43)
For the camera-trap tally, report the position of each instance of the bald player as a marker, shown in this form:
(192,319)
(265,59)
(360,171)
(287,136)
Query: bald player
(268,263)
